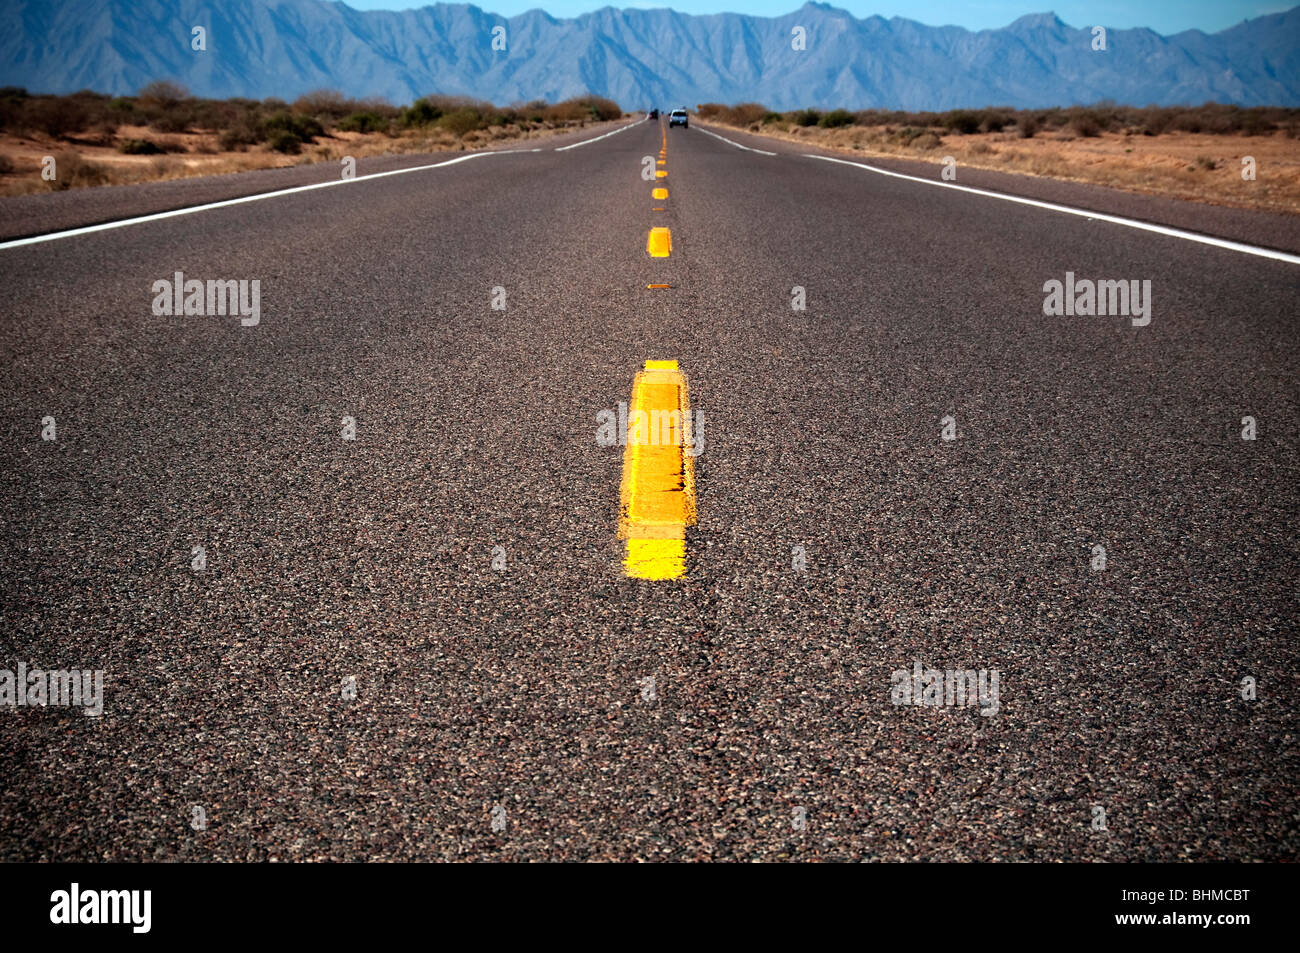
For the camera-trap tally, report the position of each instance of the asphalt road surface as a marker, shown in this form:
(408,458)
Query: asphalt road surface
(507,713)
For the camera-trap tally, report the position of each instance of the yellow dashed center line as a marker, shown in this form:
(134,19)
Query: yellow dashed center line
(659,243)
(659,194)
(657,497)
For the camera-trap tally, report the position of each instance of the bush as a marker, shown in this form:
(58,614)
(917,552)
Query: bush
(421,113)
(138,147)
(173,120)
(836,117)
(363,122)
(1085,126)
(961,121)
(6,165)
(1027,127)
(302,128)
(994,121)
(806,117)
(55,116)
(329,103)
(243,133)
(164,93)
(462,122)
(72,171)
(282,140)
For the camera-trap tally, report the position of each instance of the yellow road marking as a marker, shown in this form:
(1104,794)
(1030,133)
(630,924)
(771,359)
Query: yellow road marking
(659,194)
(660,243)
(658,286)
(661,173)
(657,497)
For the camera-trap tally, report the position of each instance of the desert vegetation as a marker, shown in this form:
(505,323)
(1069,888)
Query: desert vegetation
(1193,152)
(164,132)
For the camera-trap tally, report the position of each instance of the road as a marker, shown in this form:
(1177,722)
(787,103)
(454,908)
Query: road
(506,713)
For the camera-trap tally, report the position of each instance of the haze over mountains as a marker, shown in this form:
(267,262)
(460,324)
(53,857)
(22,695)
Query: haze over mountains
(260,48)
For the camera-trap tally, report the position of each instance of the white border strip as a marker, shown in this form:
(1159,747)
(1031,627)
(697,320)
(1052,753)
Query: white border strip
(1100,216)
(158,216)
(598,138)
(730,143)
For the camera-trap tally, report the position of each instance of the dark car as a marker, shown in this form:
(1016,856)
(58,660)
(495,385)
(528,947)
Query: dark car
(678,118)
(654,114)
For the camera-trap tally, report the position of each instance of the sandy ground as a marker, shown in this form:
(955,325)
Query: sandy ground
(1199,167)
(197,153)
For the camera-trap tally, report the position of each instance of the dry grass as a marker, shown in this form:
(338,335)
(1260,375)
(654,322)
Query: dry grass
(83,162)
(165,134)
(1203,167)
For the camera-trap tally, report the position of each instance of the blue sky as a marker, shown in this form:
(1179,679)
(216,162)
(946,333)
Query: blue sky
(1163,16)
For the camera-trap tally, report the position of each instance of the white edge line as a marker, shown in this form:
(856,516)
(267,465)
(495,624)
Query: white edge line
(598,138)
(736,144)
(1100,216)
(158,216)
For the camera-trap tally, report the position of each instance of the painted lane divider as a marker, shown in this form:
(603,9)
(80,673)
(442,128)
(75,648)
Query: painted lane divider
(1083,213)
(761,152)
(244,199)
(659,243)
(661,174)
(657,496)
(585,142)
(659,194)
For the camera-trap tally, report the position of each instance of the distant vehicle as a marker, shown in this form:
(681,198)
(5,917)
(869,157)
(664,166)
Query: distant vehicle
(678,118)
(654,114)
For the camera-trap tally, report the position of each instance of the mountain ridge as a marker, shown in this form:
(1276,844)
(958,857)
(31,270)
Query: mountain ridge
(260,48)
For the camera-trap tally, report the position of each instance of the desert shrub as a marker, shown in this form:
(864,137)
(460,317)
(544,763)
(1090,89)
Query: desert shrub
(926,140)
(304,128)
(1027,126)
(1255,123)
(747,113)
(836,118)
(138,147)
(244,131)
(421,113)
(282,140)
(962,121)
(462,121)
(363,122)
(74,172)
(583,107)
(175,119)
(326,103)
(994,121)
(6,165)
(1086,126)
(806,117)
(55,116)
(164,93)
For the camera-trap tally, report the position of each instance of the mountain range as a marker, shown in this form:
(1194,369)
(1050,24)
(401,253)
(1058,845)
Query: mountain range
(261,48)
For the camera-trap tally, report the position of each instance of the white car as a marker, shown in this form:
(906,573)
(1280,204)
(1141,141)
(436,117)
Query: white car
(678,118)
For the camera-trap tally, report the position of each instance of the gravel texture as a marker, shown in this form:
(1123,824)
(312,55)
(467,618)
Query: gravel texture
(372,559)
